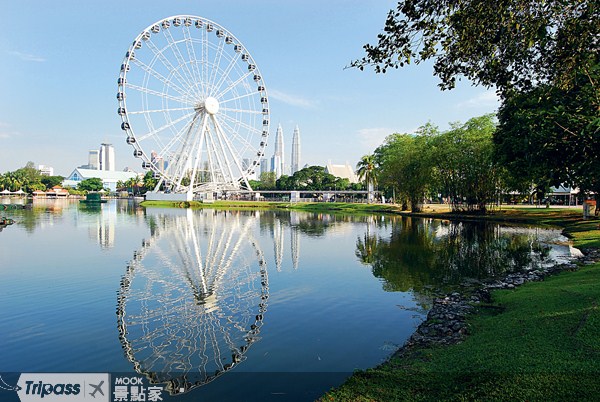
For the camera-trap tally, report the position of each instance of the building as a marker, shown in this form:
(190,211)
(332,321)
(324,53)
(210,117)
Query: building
(109,178)
(264,166)
(46,170)
(277,161)
(344,171)
(295,151)
(107,157)
(94,159)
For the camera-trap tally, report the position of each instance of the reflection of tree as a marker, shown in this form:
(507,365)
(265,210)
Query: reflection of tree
(421,254)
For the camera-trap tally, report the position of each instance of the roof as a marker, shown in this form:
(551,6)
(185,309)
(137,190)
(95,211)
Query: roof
(343,171)
(104,175)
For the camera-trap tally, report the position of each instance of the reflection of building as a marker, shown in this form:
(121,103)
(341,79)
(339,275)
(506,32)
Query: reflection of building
(103,231)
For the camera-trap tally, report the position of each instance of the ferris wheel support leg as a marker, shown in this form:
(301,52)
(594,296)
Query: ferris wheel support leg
(235,159)
(198,154)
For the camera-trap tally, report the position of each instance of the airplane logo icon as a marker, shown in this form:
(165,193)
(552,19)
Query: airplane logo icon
(97,388)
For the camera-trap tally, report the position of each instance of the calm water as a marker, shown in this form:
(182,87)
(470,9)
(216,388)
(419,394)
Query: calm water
(232,305)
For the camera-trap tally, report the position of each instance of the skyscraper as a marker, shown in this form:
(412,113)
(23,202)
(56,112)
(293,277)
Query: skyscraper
(277,161)
(107,157)
(94,159)
(295,151)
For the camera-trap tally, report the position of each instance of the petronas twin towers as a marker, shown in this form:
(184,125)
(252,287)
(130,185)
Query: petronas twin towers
(278,161)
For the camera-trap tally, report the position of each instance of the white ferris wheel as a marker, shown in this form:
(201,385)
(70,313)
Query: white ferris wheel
(194,106)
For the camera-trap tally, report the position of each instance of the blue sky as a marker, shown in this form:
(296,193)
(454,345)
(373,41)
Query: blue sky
(61,59)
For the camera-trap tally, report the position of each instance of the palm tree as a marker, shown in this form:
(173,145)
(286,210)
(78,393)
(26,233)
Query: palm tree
(365,169)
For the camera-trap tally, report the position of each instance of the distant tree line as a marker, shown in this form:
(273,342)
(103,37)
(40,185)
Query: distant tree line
(28,179)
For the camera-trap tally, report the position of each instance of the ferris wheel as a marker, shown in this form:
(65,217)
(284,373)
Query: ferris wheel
(194,106)
(192,300)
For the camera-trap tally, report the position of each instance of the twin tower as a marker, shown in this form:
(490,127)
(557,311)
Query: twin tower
(278,161)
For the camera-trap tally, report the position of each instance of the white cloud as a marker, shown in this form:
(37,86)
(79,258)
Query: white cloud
(27,56)
(485,99)
(292,100)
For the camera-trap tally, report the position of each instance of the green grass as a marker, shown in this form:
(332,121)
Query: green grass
(542,343)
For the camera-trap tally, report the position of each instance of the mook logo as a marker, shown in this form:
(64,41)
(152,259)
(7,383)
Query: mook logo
(51,387)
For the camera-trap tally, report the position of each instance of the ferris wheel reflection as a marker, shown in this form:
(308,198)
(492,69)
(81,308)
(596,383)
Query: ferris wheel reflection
(193,297)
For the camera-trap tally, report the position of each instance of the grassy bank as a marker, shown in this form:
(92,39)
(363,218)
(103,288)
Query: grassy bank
(538,342)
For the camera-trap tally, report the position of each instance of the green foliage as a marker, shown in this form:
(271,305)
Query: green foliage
(404,163)
(28,179)
(149,182)
(312,178)
(92,184)
(366,171)
(507,44)
(267,181)
(465,169)
(551,136)
(51,181)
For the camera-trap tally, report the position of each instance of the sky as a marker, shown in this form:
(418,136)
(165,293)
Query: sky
(60,62)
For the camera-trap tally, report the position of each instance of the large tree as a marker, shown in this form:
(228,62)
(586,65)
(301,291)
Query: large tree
(509,44)
(541,56)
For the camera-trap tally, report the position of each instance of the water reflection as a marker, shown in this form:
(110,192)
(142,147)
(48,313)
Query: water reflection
(192,300)
(425,254)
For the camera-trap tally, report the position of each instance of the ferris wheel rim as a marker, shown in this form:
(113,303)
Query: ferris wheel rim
(189,101)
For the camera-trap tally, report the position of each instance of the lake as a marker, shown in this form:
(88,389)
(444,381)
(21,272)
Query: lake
(232,305)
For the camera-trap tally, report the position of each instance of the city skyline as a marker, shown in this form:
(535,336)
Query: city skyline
(60,83)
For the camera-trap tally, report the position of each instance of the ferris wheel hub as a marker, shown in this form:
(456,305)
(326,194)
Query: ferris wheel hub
(211,105)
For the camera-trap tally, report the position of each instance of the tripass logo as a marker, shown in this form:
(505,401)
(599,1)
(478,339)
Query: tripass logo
(60,387)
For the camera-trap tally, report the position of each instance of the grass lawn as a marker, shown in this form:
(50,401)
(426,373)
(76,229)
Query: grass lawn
(540,341)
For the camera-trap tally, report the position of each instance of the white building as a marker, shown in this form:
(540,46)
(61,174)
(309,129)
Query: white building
(344,171)
(109,178)
(277,161)
(295,151)
(46,170)
(107,157)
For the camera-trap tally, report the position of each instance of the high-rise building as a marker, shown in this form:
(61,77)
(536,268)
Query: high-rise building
(94,159)
(277,161)
(264,166)
(107,157)
(295,151)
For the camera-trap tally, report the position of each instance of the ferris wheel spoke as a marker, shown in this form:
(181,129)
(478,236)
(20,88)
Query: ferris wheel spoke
(216,64)
(167,64)
(234,132)
(159,76)
(233,85)
(166,126)
(189,44)
(174,109)
(174,46)
(246,95)
(232,63)
(161,95)
(248,111)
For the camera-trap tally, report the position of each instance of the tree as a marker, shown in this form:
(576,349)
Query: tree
(149,181)
(464,167)
(404,164)
(91,184)
(51,181)
(551,136)
(511,44)
(365,169)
